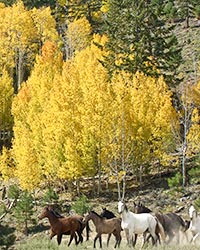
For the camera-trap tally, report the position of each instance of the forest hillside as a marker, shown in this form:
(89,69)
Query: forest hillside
(98,99)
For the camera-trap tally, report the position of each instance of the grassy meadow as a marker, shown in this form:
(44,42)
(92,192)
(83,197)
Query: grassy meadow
(42,242)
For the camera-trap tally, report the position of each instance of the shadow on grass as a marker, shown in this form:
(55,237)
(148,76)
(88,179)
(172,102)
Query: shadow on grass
(7,236)
(38,228)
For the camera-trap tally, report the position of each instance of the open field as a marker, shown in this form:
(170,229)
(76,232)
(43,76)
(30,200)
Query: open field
(41,242)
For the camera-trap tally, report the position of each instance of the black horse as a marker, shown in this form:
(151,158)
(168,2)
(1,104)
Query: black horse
(107,214)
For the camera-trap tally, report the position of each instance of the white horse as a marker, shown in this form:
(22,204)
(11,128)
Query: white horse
(194,223)
(134,224)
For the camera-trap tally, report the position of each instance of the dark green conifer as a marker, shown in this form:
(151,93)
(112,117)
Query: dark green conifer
(139,36)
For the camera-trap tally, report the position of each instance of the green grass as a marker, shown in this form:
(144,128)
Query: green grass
(42,242)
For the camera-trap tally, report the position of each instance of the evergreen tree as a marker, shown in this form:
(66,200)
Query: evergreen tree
(187,9)
(85,8)
(139,40)
(171,11)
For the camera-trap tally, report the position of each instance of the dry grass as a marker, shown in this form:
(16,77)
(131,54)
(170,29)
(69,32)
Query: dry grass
(42,242)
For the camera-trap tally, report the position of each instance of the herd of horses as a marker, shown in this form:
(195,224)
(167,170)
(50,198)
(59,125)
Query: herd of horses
(160,228)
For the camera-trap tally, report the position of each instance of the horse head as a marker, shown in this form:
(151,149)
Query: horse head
(122,206)
(192,212)
(140,208)
(44,213)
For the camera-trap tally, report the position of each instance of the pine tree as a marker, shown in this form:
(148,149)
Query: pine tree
(139,40)
(187,9)
(86,8)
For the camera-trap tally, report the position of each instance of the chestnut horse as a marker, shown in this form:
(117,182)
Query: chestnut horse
(105,226)
(77,216)
(63,225)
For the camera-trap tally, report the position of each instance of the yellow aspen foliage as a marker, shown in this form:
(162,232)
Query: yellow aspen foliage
(105,6)
(45,24)
(152,114)
(79,34)
(6,51)
(196,94)
(193,136)
(22,25)
(29,108)
(142,116)
(84,92)
(7,167)
(27,170)
(6,97)
(18,40)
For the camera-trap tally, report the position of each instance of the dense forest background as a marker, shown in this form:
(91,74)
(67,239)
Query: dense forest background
(98,89)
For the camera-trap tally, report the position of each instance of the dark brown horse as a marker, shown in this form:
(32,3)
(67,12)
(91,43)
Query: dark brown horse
(171,222)
(63,226)
(140,208)
(79,217)
(105,226)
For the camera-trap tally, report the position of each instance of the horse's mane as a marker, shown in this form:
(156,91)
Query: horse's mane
(96,214)
(56,214)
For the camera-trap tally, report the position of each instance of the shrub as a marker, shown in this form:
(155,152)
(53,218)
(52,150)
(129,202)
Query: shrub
(175,181)
(13,192)
(194,174)
(50,197)
(23,210)
(81,205)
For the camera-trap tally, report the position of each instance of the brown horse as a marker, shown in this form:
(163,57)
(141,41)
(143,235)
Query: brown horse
(171,222)
(105,226)
(63,225)
(79,217)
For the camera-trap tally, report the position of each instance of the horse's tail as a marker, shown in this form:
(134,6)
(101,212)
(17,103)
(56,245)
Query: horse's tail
(80,231)
(160,230)
(184,224)
(85,225)
(82,226)
(88,230)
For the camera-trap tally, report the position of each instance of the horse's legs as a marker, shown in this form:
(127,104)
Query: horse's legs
(95,239)
(153,235)
(72,235)
(154,240)
(135,239)
(144,240)
(195,237)
(59,238)
(87,231)
(118,237)
(108,239)
(100,241)
(52,234)
(80,236)
(171,236)
(127,235)
(76,240)
(119,240)
(178,237)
